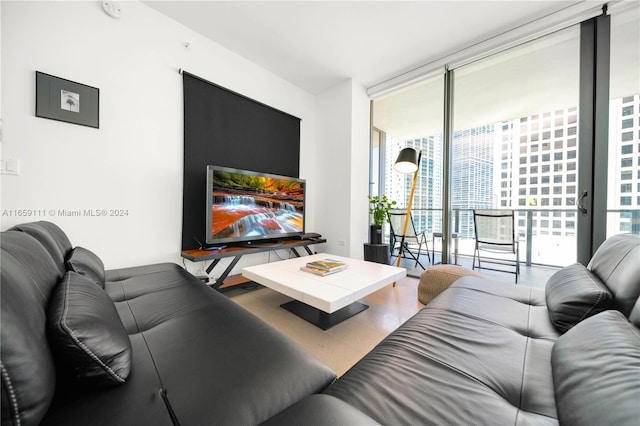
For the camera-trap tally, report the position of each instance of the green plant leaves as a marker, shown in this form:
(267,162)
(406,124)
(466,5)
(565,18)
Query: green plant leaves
(379,207)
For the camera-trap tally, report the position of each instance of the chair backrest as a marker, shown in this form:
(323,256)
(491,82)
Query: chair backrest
(494,227)
(396,220)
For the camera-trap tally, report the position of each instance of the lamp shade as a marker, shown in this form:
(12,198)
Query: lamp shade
(407,161)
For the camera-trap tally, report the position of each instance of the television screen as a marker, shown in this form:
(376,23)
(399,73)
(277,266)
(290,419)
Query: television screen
(245,206)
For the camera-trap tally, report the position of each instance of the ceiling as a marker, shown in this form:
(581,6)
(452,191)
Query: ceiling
(318,44)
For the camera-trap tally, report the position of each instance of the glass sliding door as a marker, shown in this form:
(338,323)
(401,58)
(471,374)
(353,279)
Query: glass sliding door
(515,144)
(413,117)
(549,128)
(375,164)
(623,192)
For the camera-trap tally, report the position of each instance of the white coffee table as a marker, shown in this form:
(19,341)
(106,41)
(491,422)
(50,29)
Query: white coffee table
(324,301)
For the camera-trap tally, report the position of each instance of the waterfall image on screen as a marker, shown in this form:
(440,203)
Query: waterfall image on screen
(249,205)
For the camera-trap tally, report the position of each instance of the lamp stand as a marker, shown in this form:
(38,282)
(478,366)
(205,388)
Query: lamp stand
(408,215)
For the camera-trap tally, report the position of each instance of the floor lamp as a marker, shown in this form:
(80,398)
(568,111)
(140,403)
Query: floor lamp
(408,161)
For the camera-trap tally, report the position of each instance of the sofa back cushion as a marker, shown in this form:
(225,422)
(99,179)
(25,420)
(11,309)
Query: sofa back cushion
(596,372)
(573,294)
(616,264)
(54,240)
(87,263)
(27,278)
(86,333)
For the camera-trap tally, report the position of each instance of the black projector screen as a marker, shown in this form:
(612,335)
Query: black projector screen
(224,128)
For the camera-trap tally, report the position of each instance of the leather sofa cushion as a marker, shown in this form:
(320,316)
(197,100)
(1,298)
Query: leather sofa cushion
(86,332)
(573,294)
(479,353)
(87,263)
(138,401)
(594,364)
(130,283)
(206,344)
(320,410)
(54,240)
(27,278)
(188,340)
(616,264)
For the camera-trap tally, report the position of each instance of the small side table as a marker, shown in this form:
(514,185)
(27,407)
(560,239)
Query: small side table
(378,253)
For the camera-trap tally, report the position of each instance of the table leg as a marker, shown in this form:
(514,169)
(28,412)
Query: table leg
(320,318)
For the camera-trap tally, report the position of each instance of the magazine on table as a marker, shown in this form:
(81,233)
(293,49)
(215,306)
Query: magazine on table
(318,271)
(327,264)
(324,267)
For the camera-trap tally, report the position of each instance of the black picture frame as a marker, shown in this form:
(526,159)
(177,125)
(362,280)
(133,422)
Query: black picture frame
(65,100)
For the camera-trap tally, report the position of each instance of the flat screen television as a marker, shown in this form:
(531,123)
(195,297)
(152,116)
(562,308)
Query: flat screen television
(249,207)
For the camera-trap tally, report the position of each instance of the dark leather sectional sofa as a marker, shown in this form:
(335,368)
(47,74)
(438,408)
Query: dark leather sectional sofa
(195,357)
(151,345)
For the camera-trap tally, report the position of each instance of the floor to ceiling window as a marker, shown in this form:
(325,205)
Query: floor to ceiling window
(623,191)
(515,144)
(412,117)
(515,141)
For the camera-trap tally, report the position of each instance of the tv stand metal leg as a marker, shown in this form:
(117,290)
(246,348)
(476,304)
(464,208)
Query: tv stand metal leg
(213,265)
(296,254)
(226,272)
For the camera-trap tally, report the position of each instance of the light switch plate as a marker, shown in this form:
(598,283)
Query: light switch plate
(10,166)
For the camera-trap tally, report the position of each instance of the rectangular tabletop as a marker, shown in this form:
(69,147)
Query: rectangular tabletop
(329,293)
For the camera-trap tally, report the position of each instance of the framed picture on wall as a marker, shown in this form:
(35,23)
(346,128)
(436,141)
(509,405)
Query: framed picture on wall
(65,100)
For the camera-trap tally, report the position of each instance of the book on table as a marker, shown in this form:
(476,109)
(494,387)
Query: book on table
(324,267)
(318,271)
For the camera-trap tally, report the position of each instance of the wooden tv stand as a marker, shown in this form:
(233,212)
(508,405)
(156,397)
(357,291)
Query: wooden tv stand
(198,255)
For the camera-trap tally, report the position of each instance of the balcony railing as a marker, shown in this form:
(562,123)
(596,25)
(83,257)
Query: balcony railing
(548,236)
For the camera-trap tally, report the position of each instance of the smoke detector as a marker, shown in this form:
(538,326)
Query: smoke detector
(112,9)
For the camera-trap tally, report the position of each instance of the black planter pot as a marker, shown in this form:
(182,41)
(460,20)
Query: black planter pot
(375,234)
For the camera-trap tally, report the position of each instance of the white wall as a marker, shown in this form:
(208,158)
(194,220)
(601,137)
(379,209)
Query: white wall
(333,155)
(343,156)
(360,147)
(134,161)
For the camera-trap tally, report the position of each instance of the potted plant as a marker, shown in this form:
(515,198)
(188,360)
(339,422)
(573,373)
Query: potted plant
(379,208)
